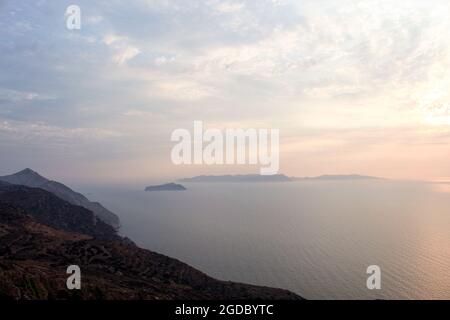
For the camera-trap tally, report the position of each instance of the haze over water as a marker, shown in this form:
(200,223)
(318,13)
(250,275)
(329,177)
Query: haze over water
(315,238)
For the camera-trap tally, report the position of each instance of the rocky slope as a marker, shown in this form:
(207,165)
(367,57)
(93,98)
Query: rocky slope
(52,211)
(41,235)
(32,179)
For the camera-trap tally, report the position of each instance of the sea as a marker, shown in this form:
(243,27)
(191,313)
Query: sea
(315,238)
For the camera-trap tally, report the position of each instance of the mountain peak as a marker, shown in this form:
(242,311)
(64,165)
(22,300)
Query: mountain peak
(30,178)
(28,171)
(26,177)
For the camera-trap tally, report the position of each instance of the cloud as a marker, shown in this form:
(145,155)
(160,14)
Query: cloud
(125,54)
(229,7)
(182,90)
(18,96)
(123,51)
(110,39)
(19,130)
(298,65)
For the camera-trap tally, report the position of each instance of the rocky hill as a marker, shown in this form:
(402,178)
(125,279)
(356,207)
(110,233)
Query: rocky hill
(48,209)
(41,235)
(30,178)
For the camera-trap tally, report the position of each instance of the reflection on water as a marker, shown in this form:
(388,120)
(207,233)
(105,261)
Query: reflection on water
(314,238)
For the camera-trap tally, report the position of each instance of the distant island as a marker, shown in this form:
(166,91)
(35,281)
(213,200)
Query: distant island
(239,178)
(335,177)
(271,178)
(166,187)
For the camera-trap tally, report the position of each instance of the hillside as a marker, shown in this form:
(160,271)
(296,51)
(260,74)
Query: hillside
(41,235)
(30,178)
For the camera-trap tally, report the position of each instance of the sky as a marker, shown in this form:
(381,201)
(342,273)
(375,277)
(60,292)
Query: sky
(353,86)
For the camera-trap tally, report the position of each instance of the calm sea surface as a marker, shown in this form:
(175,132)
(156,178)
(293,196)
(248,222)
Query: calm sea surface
(315,238)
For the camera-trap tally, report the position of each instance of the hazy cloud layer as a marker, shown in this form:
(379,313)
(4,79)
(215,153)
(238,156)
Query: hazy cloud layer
(343,80)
